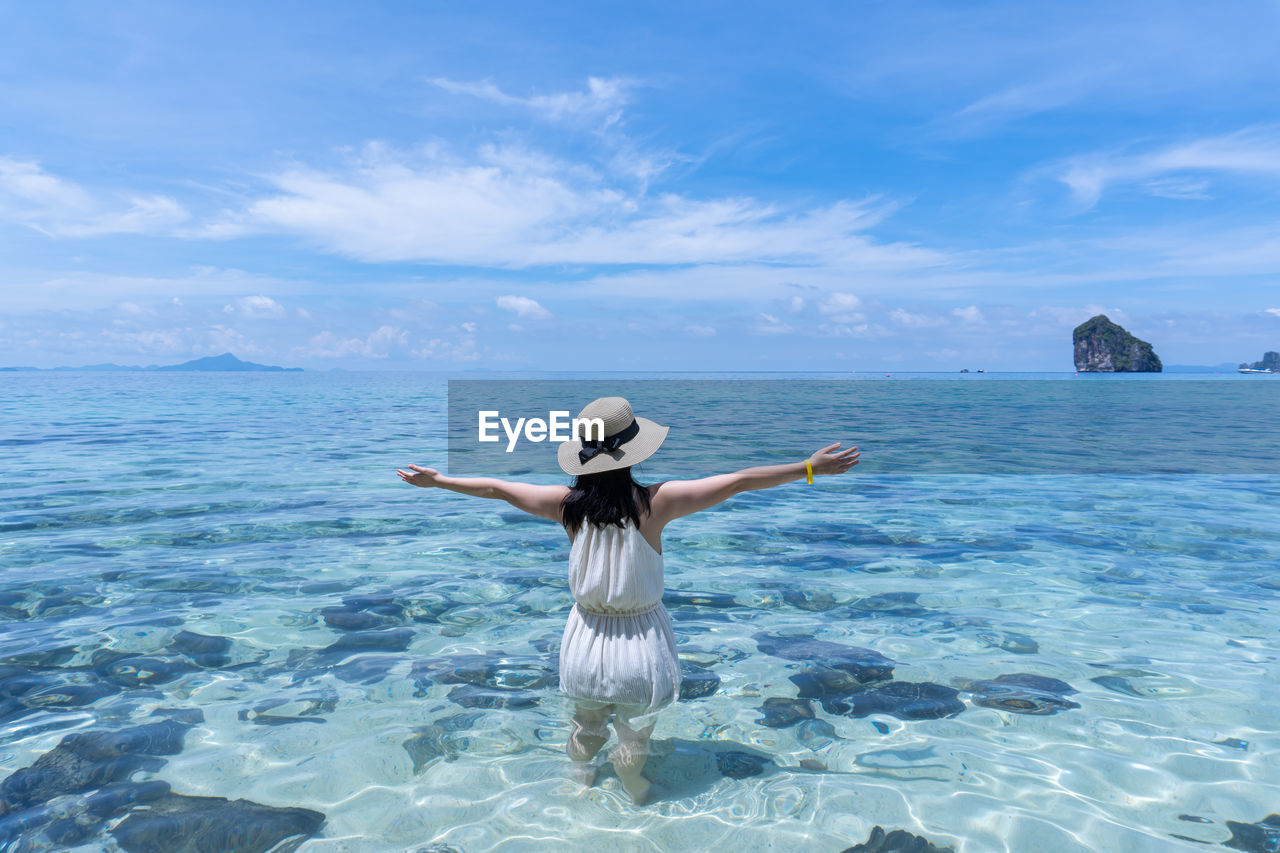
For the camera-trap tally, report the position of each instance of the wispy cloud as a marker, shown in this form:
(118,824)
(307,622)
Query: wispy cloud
(58,207)
(516,208)
(604,98)
(1253,151)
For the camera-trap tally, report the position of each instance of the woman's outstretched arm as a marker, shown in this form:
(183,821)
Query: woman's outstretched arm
(542,501)
(676,498)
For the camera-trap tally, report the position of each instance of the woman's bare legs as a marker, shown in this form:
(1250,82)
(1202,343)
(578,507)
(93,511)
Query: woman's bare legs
(590,731)
(629,756)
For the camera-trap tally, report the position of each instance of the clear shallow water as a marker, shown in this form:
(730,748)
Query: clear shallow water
(134,508)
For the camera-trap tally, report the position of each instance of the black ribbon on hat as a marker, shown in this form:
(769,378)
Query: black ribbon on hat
(607,445)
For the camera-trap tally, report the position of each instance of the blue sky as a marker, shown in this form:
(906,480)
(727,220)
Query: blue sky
(839,186)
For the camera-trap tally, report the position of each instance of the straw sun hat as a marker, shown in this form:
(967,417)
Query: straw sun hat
(628,440)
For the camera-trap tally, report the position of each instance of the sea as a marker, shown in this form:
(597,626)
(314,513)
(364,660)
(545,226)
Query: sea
(1039,615)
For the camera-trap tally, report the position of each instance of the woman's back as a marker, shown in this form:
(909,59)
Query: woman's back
(614,569)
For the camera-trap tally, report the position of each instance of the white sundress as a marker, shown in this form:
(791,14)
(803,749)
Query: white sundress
(618,646)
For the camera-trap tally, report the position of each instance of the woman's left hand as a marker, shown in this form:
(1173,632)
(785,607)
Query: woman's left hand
(424,477)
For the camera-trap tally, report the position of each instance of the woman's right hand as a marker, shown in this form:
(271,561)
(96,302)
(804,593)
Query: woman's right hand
(832,460)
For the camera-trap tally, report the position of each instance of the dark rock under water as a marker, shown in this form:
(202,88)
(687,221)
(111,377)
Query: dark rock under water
(442,738)
(740,765)
(177,823)
(494,671)
(1022,693)
(471,696)
(697,682)
(84,761)
(906,700)
(781,713)
(1260,837)
(897,841)
(865,665)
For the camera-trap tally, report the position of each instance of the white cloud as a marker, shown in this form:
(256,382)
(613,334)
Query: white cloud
(842,310)
(508,207)
(1072,317)
(255,307)
(58,207)
(1184,188)
(523,306)
(88,291)
(1251,151)
(603,97)
(767,324)
(969,314)
(377,344)
(839,303)
(1275,312)
(699,331)
(915,321)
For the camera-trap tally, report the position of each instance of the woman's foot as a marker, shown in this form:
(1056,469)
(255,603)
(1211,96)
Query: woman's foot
(637,787)
(583,772)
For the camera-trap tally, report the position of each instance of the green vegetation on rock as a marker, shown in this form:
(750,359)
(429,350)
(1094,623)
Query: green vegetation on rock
(1102,346)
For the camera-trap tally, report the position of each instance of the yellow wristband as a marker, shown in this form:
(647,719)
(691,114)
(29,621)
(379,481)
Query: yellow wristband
(808,472)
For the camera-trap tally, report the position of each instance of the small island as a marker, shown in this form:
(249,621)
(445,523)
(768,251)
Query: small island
(1102,346)
(1270,364)
(221,363)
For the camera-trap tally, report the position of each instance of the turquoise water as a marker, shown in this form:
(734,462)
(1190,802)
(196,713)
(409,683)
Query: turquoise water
(215,586)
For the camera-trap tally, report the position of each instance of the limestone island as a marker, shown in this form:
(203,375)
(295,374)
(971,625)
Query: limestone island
(1270,364)
(1102,346)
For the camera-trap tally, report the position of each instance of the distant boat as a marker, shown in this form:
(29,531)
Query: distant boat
(1255,370)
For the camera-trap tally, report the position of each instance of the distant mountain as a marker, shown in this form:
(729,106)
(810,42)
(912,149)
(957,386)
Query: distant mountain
(225,362)
(220,363)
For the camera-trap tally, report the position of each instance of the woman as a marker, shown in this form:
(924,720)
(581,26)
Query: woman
(618,652)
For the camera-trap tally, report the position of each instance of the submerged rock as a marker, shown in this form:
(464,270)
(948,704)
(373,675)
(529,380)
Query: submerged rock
(740,765)
(61,695)
(902,604)
(312,706)
(816,681)
(84,761)
(815,601)
(177,823)
(906,700)
(898,841)
(204,650)
(677,598)
(1102,346)
(440,739)
(1022,693)
(865,665)
(815,733)
(781,713)
(697,681)
(496,670)
(471,696)
(138,670)
(1260,837)
(1019,644)
(384,640)
(362,612)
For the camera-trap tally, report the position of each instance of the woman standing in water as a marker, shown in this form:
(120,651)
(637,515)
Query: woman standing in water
(618,652)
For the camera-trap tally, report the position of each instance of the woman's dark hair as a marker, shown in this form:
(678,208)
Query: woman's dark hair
(610,497)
